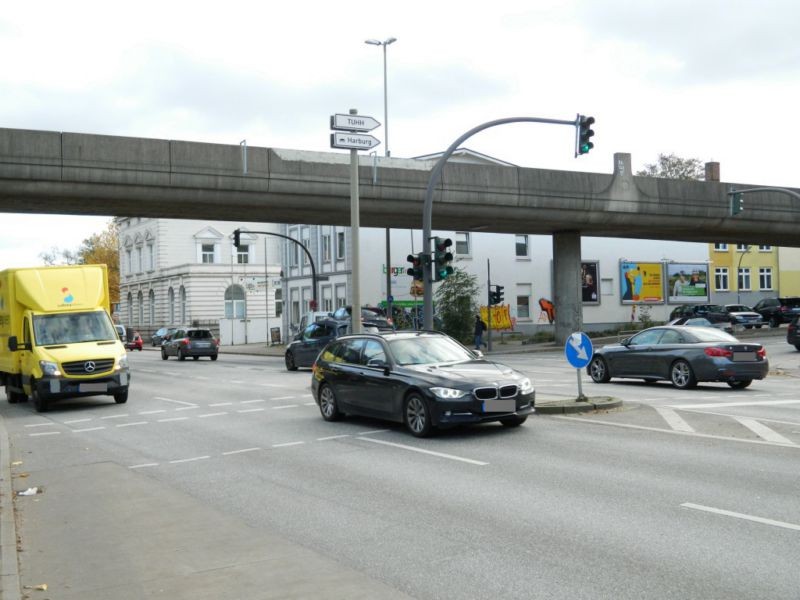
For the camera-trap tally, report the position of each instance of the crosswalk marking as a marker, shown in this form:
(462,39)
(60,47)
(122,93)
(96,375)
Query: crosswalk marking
(763,431)
(727,404)
(674,420)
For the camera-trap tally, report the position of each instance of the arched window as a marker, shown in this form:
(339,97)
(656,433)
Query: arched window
(235,303)
(140,303)
(130,308)
(183,305)
(151,315)
(171,306)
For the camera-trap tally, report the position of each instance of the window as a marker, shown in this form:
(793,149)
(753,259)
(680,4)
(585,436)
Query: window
(327,299)
(207,254)
(742,247)
(765,248)
(306,244)
(326,247)
(139,259)
(524,300)
(720,247)
(151,257)
(278,302)
(522,246)
(765,278)
(140,307)
(721,278)
(235,302)
(151,303)
(295,307)
(462,243)
(341,298)
(183,304)
(243,254)
(306,294)
(130,307)
(744,278)
(340,245)
(171,295)
(373,350)
(128,262)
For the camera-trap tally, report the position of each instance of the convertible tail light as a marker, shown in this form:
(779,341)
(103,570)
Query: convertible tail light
(761,352)
(716,351)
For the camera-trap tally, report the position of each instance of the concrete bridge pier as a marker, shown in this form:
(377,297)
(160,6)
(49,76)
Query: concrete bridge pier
(567,284)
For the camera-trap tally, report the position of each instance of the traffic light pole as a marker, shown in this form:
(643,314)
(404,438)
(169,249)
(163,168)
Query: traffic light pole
(427,213)
(489,307)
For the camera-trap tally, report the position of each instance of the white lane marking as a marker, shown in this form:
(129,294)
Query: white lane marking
(195,407)
(43,433)
(220,404)
(673,432)
(272,385)
(240,451)
(252,401)
(283,398)
(173,419)
(143,465)
(287,444)
(76,421)
(430,452)
(175,401)
(373,431)
(40,424)
(249,410)
(310,404)
(152,412)
(332,437)
(727,404)
(183,460)
(238,381)
(763,431)
(200,377)
(737,515)
(673,419)
(306,395)
(285,406)
(87,429)
(132,424)
(123,416)
(217,414)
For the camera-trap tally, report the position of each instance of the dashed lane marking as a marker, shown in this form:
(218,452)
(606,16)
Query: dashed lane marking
(175,401)
(152,412)
(285,406)
(76,421)
(284,445)
(242,451)
(185,460)
(217,414)
(171,419)
(728,404)
(220,404)
(738,515)
(132,424)
(250,410)
(44,433)
(87,429)
(48,424)
(429,452)
(121,416)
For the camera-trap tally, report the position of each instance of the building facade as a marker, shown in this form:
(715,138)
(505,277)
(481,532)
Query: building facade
(743,273)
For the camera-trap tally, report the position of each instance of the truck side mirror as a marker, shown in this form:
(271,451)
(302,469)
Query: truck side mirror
(12,343)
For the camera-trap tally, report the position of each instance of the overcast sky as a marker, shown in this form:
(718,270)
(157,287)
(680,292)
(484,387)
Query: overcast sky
(713,80)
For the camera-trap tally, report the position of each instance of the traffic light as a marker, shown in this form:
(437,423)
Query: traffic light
(442,258)
(584,142)
(415,270)
(236,240)
(737,202)
(496,295)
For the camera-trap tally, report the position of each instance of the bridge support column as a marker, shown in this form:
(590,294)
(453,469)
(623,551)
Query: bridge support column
(566,284)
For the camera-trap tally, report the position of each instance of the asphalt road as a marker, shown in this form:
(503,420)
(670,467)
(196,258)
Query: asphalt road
(678,494)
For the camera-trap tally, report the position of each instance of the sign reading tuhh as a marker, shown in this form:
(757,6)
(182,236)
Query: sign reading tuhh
(353,122)
(353,141)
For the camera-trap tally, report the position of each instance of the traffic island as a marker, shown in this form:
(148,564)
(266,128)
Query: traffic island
(570,405)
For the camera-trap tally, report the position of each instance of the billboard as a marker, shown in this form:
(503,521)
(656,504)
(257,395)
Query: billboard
(590,277)
(687,282)
(641,282)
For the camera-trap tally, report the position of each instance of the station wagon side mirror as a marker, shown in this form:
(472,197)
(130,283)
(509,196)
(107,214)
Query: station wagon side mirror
(379,363)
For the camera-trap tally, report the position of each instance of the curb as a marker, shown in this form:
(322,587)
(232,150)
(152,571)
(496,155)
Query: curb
(575,406)
(9,564)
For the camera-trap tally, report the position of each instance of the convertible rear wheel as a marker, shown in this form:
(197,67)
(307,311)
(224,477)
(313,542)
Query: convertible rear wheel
(682,375)
(598,370)
(740,385)
(417,415)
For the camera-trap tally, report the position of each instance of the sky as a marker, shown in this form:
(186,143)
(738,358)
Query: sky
(708,79)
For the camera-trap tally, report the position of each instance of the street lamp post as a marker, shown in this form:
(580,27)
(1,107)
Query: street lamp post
(387,153)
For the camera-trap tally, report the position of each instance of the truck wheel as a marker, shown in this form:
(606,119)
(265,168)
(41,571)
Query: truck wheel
(121,397)
(14,397)
(39,403)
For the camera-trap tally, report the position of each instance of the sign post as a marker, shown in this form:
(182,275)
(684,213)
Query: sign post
(578,351)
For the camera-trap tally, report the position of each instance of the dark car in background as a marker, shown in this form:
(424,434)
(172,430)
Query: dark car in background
(371,316)
(745,316)
(424,380)
(191,342)
(793,332)
(161,334)
(306,346)
(715,313)
(778,310)
(682,355)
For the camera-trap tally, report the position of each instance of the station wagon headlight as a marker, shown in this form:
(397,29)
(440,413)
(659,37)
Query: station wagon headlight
(525,386)
(122,362)
(49,368)
(448,393)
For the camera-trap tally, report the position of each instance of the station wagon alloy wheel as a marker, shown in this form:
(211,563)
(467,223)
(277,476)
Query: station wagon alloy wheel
(327,404)
(417,417)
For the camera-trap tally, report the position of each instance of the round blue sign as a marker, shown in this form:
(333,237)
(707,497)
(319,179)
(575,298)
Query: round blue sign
(578,349)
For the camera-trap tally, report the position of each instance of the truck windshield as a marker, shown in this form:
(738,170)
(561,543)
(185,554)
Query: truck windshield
(69,328)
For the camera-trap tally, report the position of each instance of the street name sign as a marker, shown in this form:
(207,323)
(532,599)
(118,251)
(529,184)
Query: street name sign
(353,122)
(353,141)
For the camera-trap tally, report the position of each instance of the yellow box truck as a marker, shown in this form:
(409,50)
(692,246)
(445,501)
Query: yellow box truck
(57,339)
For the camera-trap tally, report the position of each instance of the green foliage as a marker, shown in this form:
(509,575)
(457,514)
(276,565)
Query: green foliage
(669,166)
(456,304)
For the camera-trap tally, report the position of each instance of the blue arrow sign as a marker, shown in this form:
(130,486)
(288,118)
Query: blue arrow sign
(578,349)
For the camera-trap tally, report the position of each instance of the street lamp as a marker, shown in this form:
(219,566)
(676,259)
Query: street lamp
(383,44)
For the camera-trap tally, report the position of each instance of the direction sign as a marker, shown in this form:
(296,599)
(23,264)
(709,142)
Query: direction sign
(353,141)
(353,122)
(578,349)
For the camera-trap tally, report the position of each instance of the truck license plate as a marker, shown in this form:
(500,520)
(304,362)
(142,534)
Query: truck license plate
(93,387)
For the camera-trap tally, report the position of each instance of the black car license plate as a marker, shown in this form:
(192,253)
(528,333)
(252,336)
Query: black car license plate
(743,356)
(499,405)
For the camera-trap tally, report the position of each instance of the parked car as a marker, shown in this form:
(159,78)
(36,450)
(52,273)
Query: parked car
(312,317)
(778,310)
(193,341)
(121,333)
(422,379)
(134,342)
(715,313)
(306,346)
(793,332)
(693,322)
(161,334)
(682,355)
(744,315)
(371,316)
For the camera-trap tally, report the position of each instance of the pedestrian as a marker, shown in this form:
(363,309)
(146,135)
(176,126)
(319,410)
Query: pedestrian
(480,327)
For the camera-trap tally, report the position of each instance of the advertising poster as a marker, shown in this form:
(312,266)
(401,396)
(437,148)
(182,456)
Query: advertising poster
(641,282)
(590,277)
(687,282)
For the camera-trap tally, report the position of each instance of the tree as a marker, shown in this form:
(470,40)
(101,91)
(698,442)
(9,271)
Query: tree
(670,166)
(99,248)
(456,304)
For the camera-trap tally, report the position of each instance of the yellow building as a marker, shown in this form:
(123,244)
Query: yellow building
(789,271)
(744,274)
